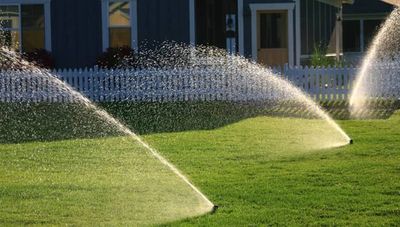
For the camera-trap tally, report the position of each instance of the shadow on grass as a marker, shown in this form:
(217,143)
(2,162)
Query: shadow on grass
(26,122)
(375,109)
(148,118)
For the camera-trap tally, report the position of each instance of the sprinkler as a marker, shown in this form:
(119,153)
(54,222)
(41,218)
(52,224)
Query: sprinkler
(214,209)
(351,141)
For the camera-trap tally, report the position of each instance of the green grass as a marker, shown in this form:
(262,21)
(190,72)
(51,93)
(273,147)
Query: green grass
(255,179)
(259,169)
(109,181)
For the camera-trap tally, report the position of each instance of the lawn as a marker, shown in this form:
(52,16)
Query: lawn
(251,175)
(84,182)
(259,169)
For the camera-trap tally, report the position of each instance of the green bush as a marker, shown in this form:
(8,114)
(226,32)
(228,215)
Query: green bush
(319,57)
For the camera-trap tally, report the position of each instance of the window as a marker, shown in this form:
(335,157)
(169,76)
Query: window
(351,36)
(22,27)
(10,27)
(119,14)
(370,29)
(33,33)
(119,23)
(358,34)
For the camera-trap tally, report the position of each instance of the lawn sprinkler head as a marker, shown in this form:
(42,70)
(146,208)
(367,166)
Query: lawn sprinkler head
(351,141)
(214,209)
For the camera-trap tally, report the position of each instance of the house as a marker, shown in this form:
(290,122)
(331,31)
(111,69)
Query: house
(76,32)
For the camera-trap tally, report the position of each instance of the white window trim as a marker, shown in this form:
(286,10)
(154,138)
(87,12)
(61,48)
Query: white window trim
(298,32)
(134,23)
(241,26)
(47,18)
(192,22)
(362,37)
(272,6)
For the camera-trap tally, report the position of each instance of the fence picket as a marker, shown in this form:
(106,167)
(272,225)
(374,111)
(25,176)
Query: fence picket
(197,84)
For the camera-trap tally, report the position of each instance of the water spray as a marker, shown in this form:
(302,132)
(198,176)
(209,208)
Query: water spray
(76,97)
(382,59)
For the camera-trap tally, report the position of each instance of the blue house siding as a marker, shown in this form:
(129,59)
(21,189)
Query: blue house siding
(77,26)
(161,20)
(318,22)
(76,32)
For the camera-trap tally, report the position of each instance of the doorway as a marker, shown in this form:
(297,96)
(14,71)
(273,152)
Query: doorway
(272,37)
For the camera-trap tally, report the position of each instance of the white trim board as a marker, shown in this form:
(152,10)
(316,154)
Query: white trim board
(393,2)
(362,39)
(241,26)
(339,3)
(298,32)
(192,22)
(47,25)
(7,2)
(47,18)
(272,6)
(370,16)
(134,23)
(104,24)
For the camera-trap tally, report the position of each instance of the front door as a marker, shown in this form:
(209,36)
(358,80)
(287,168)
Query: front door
(272,37)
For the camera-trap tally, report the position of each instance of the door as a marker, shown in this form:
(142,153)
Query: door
(272,38)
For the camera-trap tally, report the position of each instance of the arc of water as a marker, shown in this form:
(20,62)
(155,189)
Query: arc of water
(107,117)
(310,104)
(360,90)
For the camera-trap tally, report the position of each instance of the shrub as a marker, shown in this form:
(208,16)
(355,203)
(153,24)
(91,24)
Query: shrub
(319,57)
(40,58)
(11,60)
(121,57)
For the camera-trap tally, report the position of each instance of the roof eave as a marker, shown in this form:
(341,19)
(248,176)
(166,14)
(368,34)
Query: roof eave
(337,3)
(393,2)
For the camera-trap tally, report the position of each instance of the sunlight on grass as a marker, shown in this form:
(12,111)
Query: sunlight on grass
(106,181)
(260,171)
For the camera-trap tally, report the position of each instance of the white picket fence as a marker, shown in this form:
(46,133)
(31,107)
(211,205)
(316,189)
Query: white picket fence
(163,85)
(322,84)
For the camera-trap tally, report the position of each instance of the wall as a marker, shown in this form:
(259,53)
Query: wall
(76,32)
(77,29)
(162,20)
(317,25)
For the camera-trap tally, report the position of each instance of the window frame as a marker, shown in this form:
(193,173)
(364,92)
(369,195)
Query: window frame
(19,29)
(47,18)
(361,19)
(133,23)
(360,35)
